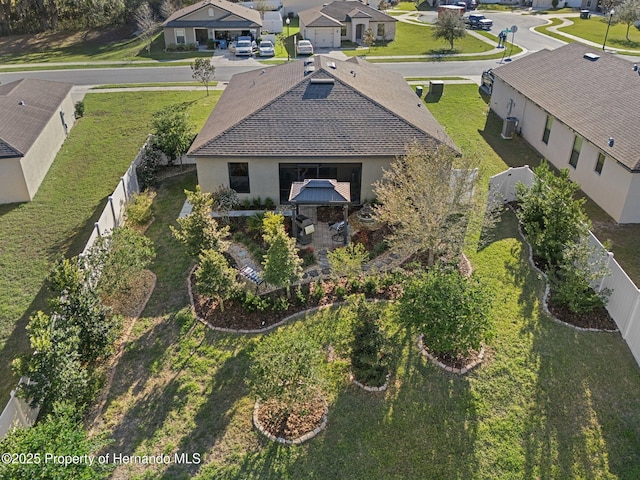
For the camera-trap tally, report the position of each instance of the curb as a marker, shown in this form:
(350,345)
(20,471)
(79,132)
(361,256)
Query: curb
(460,371)
(284,441)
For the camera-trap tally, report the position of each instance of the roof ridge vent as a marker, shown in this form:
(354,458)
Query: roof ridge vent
(331,65)
(323,81)
(309,69)
(591,56)
(309,61)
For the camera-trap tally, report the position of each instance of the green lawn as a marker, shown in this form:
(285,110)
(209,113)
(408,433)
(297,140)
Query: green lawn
(549,402)
(416,40)
(405,6)
(554,23)
(60,218)
(594,29)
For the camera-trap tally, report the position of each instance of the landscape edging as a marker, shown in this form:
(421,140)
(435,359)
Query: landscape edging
(295,441)
(461,371)
(367,388)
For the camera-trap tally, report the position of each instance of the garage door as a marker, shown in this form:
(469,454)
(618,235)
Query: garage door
(323,38)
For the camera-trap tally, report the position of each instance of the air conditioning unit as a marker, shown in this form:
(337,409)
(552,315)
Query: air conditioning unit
(509,127)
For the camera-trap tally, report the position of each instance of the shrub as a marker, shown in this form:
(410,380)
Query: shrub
(371,285)
(368,359)
(172,132)
(347,261)
(307,256)
(79,109)
(340,292)
(140,211)
(256,303)
(269,204)
(318,291)
(147,169)
(214,277)
(301,298)
(224,200)
(450,310)
(280,304)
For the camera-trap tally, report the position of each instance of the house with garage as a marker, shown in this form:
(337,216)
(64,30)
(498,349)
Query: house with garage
(318,118)
(579,108)
(206,20)
(35,118)
(327,25)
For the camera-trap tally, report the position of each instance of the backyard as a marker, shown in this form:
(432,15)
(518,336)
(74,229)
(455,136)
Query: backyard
(60,218)
(548,402)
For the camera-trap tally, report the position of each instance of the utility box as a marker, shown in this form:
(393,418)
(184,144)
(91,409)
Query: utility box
(419,90)
(509,127)
(305,229)
(436,87)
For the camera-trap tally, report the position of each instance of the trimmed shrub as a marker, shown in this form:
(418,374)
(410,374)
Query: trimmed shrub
(140,212)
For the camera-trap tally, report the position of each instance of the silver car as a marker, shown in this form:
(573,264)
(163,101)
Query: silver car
(243,48)
(266,49)
(304,47)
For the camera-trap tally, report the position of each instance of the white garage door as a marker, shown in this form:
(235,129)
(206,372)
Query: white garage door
(323,38)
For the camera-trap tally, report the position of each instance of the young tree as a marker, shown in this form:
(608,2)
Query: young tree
(146,24)
(450,310)
(550,215)
(426,201)
(368,359)
(347,261)
(272,225)
(285,366)
(449,26)
(282,265)
(55,368)
(172,131)
(198,231)
(203,70)
(369,38)
(119,258)
(77,307)
(628,12)
(215,278)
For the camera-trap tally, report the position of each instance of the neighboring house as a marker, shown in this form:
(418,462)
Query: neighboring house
(329,24)
(296,6)
(211,19)
(35,117)
(319,118)
(582,4)
(579,107)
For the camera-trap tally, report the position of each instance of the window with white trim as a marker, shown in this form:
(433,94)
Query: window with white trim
(180,36)
(599,163)
(575,151)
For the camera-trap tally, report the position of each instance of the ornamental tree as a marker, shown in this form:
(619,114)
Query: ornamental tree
(449,27)
(214,277)
(198,231)
(203,71)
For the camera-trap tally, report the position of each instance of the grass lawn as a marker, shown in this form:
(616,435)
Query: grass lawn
(405,7)
(105,45)
(554,23)
(59,220)
(416,40)
(549,402)
(158,84)
(594,29)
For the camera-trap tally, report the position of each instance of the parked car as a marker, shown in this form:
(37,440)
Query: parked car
(472,4)
(304,47)
(266,49)
(478,21)
(462,4)
(243,48)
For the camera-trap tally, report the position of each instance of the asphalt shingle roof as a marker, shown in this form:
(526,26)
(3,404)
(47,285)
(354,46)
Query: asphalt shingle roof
(26,106)
(597,99)
(364,110)
(345,10)
(233,8)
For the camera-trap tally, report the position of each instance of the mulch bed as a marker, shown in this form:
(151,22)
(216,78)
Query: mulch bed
(237,317)
(304,418)
(599,318)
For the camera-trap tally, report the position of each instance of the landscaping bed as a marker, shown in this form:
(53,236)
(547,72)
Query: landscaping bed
(598,319)
(275,419)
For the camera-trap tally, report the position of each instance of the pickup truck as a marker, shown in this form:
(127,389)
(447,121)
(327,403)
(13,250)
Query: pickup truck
(478,21)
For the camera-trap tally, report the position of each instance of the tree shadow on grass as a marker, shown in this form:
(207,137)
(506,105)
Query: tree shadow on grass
(515,152)
(583,420)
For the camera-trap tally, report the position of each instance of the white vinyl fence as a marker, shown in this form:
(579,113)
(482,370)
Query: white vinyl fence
(17,412)
(624,302)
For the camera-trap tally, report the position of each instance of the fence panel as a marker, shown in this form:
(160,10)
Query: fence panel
(503,185)
(17,413)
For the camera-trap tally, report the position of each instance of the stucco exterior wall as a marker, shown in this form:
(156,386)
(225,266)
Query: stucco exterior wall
(331,34)
(264,178)
(13,187)
(616,190)
(389,30)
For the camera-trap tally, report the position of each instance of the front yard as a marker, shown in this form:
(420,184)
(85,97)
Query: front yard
(548,402)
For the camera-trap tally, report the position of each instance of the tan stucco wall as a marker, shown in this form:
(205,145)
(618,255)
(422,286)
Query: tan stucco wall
(616,190)
(25,175)
(389,30)
(13,188)
(264,179)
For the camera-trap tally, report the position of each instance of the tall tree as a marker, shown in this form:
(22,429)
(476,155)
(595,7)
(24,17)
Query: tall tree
(282,265)
(628,13)
(172,131)
(449,27)
(203,71)
(146,24)
(426,197)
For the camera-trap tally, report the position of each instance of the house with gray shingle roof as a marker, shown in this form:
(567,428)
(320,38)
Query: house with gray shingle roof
(211,20)
(329,24)
(319,118)
(35,117)
(580,108)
